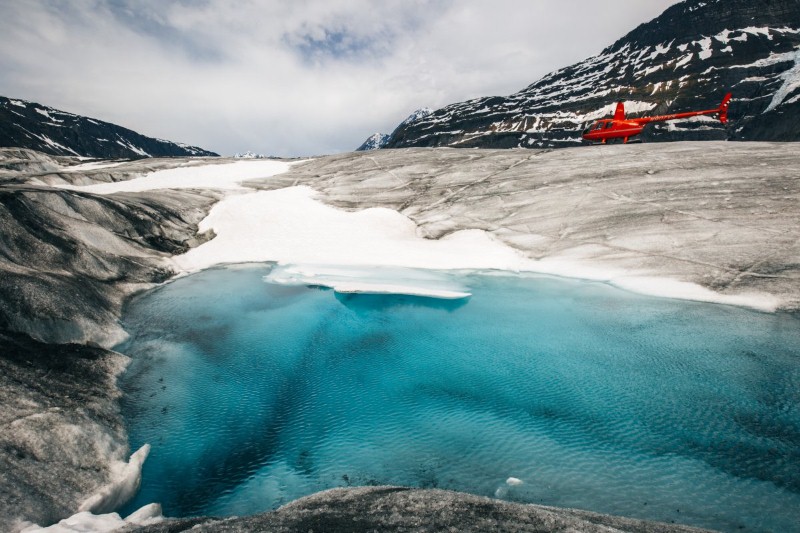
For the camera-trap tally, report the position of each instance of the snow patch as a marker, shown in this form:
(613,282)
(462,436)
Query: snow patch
(660,49)
(705,45)
(670,288)
(651,70)
(573,266)
(684,61)
(723,36)
(791,82)
(290,227)
(754,79)
(93,165)
(757,31)
(133,148)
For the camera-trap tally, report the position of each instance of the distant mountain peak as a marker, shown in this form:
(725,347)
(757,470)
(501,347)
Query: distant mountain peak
(377,141)
(38,127)
(250,155)
(374,142)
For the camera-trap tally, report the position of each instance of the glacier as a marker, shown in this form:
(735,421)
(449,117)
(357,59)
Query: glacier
(706,221)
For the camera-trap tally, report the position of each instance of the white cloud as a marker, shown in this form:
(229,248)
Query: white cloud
(290,77)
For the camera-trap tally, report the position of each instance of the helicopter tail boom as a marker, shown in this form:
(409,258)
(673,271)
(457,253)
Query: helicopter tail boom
(722,110)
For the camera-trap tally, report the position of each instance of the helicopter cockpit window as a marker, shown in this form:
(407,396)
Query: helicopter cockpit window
(598,126)
(609,124)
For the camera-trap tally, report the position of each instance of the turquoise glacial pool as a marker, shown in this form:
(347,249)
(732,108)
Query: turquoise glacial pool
(254,394)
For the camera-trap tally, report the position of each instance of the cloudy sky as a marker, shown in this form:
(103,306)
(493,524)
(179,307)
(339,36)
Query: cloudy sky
(290,77)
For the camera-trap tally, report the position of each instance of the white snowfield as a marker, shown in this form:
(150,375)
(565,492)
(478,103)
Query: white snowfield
(290,226)
(714,222)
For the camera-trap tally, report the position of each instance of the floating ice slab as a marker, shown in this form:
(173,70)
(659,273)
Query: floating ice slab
(371,280)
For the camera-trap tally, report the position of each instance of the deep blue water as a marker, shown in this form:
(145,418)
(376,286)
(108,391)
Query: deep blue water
(254,394)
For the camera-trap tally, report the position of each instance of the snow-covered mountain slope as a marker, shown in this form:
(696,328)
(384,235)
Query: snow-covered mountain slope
(686,59)
(30,125)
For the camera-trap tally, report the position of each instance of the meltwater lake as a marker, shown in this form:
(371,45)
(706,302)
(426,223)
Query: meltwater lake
(253,394)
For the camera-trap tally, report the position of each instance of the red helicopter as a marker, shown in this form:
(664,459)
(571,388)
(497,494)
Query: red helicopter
(624,128)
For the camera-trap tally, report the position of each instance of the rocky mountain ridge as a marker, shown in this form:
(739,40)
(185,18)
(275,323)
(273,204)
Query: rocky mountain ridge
(38,127)
(686,59)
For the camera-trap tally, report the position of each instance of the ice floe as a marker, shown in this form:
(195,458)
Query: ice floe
(372,280)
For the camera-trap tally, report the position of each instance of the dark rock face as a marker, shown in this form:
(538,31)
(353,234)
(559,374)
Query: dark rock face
(684,60)
(38,127)
(402,509)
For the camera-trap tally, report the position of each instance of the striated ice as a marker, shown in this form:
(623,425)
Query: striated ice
(194,175)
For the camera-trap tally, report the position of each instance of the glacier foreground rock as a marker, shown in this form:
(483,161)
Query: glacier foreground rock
(403,509)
